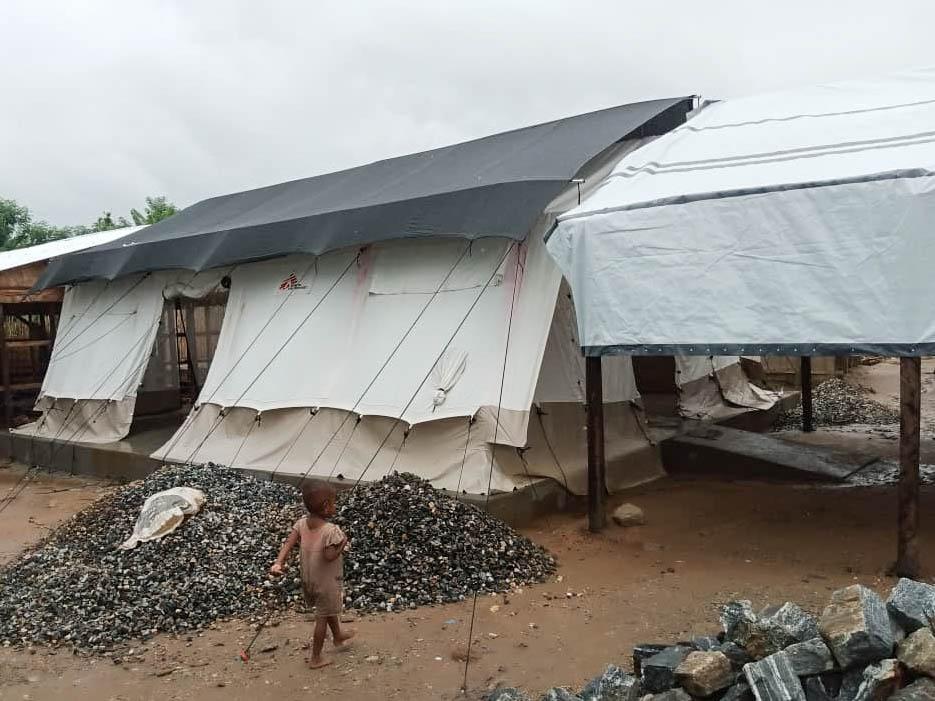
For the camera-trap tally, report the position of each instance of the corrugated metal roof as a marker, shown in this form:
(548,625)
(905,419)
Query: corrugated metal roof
(54,249)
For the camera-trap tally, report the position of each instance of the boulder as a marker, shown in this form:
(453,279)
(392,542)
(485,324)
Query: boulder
(613,685)
(738,621)
(643,652)
(917,652)
(856,627)
(505,693)
(921,690)
(850,684)
(777,627)
(706,643)
(658,671)
(703,673)
(773,679)
(815,690)
(628,515)
(879,681)
(810,657)
(559,693)
(671,695)
(738,692)
(737,655)
(908,603)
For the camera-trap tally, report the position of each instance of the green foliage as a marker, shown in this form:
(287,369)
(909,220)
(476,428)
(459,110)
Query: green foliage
(157,209)
(12,218)
(106,222)
(18,228)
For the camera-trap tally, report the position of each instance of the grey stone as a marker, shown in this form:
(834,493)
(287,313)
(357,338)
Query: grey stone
(850,684)
(738,692)
(856,627)
(738,621)
(628,515)
(791,620)
(899,634)
(810,657)
(643,652)
(505,693)
(777,627)
(613,685)
(773,679)
(737,655)
(815,690)
(917,652)
(706,643)
(703,673)
(920,690)
(559,693)
(672,695)
(908,603)
(658,671)
(879,681)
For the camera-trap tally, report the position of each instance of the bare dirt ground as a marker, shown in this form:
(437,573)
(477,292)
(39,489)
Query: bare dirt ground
(882,380)
(704,543)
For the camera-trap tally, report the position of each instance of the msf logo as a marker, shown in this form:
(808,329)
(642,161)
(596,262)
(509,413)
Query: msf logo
(291,283)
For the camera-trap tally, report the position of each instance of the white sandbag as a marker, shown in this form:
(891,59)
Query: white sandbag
(163,512)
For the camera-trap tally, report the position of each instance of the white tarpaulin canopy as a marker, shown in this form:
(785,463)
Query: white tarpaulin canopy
(796,223)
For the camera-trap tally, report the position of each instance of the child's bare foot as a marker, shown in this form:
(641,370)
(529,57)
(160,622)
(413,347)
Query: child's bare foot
(344,638)
(318,662)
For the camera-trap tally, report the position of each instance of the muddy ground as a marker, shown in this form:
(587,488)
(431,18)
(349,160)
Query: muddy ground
(704,543)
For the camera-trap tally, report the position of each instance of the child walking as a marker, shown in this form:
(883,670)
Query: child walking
(321,548)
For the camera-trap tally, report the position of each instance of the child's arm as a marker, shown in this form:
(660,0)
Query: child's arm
(277,567)
(332,552)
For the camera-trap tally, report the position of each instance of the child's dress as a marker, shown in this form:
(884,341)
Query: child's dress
(322,581)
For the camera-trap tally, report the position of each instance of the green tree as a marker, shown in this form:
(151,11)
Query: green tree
(106,222)
(13,217)
(19,229)
(157,209)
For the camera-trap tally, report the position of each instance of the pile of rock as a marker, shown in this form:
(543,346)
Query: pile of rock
(410,545)
(413,545)
(860,649)
(839,403)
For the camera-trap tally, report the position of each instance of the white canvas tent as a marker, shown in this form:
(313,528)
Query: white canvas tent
(453,357)
(450,359)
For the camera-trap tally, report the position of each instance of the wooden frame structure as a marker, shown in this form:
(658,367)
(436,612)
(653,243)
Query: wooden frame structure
(28,323)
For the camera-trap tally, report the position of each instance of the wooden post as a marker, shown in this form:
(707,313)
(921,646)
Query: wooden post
(594,391)
(808,422)
(910,397)
(5,372)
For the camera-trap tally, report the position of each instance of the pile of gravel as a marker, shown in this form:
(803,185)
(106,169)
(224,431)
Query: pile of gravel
(76,587)
(837,403)
(411,545)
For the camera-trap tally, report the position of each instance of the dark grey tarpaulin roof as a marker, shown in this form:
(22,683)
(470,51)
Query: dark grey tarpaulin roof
(495,186)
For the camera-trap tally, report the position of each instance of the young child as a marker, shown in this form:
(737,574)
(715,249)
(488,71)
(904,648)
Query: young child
(321,548)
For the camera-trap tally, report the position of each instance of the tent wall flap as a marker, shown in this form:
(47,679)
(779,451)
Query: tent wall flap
(495,186)
(780,224)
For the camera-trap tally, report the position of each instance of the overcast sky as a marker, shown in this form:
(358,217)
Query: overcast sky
(106,102)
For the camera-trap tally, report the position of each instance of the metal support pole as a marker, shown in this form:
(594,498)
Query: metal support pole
(808,422)
(910,408)
(594,391)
